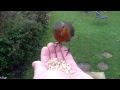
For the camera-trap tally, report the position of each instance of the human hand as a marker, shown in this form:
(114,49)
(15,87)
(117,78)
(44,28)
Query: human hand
(40,67)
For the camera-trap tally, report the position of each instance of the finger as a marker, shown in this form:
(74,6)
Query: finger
(45,55)
(39,69)
(52,51)
(69,58)
(59,52)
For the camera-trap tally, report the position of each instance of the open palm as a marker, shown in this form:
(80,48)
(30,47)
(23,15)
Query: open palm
(59,52)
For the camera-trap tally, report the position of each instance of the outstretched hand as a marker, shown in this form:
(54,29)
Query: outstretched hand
(59,52)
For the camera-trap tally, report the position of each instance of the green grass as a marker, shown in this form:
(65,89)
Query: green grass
(91,39)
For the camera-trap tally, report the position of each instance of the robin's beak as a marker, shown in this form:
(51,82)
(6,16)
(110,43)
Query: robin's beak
(63,31)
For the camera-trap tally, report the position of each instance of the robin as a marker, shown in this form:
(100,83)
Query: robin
(63,32)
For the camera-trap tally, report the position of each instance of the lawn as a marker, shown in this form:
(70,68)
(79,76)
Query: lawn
(91,39)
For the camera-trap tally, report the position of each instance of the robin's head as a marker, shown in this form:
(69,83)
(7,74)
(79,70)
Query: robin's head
(61,27)
(63,31)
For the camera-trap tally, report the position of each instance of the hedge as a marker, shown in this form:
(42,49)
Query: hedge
(20,40)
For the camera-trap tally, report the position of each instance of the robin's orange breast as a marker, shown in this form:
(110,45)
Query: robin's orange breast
(62,35)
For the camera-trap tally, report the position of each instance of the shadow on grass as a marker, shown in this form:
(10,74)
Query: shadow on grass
(100,22)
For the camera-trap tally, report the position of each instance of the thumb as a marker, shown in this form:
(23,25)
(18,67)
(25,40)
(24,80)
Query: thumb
(39,70)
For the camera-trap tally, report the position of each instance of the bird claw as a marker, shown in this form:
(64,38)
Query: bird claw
(68,51)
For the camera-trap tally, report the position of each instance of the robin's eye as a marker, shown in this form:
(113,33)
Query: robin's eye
(56,30)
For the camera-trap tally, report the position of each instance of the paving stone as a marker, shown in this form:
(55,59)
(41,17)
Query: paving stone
(84,66)
(97,75)
(106,55)
(102,66)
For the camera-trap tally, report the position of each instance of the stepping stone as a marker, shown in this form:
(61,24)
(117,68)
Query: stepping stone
(102,66)
(106,55)
(84,66)
(118,40)
(75,37)
(97,75)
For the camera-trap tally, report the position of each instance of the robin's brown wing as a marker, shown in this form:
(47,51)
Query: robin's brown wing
(72,29)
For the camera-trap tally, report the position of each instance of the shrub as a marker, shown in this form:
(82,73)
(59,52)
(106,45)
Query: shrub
(20,38)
